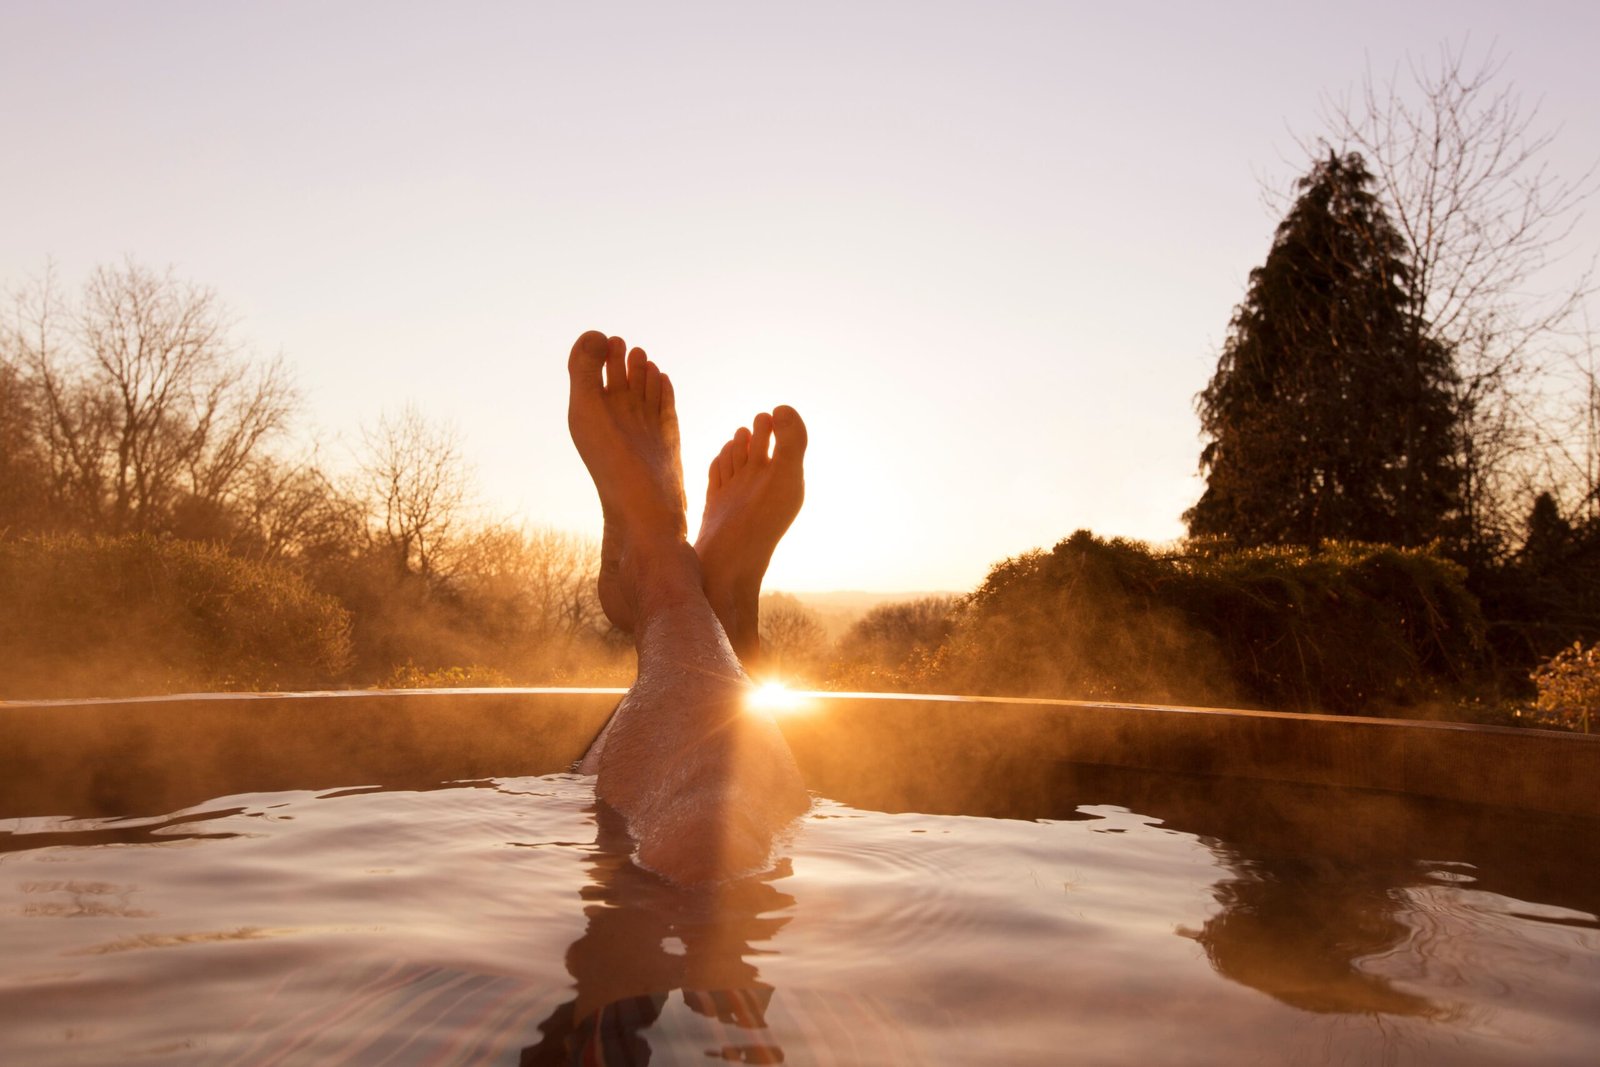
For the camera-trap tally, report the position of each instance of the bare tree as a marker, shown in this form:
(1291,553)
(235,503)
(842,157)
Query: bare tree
(290,508)
(536,585)
(142,400)
(1570,409)
(22,468)
(1464,171)
(891,633)
(1590,431)
(561,574)
(416,484)
(793,639)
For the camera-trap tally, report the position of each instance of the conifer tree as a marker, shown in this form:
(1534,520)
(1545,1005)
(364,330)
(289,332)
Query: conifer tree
(1329,415)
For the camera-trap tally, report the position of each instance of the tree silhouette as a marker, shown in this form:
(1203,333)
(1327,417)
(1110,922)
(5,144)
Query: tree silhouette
(1464,169)
(1329,416)
(147,415)
(417,484)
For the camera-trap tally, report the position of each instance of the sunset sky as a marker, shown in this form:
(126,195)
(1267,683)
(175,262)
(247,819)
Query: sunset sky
(989,251)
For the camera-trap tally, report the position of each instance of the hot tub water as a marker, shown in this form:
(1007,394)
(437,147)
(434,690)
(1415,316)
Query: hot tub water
(499,921)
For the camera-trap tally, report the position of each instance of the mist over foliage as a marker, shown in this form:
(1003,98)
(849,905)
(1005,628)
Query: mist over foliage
(1352,628)
(99,616)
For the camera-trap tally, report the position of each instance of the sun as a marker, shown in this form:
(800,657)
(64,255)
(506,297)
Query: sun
(775,698)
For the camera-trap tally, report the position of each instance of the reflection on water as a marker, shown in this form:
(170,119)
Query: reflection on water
(647,940)
(1342,902)
(1298,929)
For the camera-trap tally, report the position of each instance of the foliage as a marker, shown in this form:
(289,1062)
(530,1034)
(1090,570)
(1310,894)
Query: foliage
(895,646)
(416,485)
(1569,687)
(1547,594)
(891,634)
(138,405)
(106,616)
(409,676)
(1086,620)
(530,584)
(1349,628)
(793,639)
(520,602)
(24,484)
(1328,416)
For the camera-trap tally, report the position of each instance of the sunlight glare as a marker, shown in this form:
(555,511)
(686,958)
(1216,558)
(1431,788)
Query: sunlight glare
(775,698)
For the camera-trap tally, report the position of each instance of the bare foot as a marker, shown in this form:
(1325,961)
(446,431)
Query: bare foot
(626,429)
(750,501)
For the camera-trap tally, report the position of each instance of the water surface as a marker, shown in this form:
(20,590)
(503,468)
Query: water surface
(501,922)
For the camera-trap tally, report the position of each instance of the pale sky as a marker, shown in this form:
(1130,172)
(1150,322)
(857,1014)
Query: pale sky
(988,250)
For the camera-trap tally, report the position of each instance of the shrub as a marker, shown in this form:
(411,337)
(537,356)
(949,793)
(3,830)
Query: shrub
(1087,620)
(1569,687)
(895,636)
(1351,627)
(518,603)
(120,616)
(793,639)
(410,676)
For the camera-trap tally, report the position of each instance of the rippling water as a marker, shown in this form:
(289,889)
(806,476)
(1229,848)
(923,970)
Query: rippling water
(500,922)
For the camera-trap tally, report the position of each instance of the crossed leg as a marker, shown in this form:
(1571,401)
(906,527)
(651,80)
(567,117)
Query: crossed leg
(703,781)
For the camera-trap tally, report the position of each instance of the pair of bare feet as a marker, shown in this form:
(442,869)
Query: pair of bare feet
(704,782)
(625,425)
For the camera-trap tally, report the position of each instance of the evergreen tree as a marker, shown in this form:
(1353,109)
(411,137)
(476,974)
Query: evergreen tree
(1329,416)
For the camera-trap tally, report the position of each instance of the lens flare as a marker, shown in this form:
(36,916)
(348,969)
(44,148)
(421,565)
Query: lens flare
(775,698)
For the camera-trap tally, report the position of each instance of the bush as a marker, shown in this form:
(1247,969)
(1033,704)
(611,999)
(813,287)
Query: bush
(518,603)
(410,676)
(1349,628)
(1087,620)
(133,615)
(1569,687)
(793,640)
(897,637)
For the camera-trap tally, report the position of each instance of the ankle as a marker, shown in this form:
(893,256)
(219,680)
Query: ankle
(661,570)
(737,605)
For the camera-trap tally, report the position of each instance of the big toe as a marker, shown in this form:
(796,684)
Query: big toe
(588,356)
(789,435)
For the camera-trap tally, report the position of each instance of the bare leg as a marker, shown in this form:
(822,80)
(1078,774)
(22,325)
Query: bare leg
(703,781)
(755,488)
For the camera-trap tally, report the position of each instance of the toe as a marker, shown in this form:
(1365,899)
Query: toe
(588,356)
(725,461)
(741,447)
(652,387)
(790,433)
(616,364)
(761,438)
(669,406)
(636,362)
(714,476)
